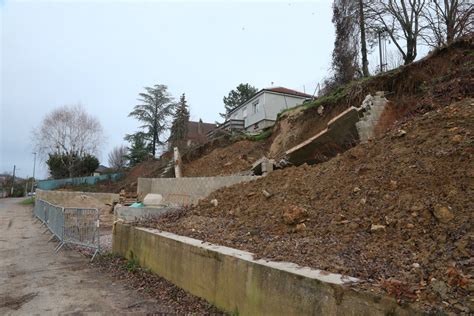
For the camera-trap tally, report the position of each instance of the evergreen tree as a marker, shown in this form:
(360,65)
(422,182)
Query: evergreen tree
(179,127)
(346,44)
(139,150)
(156,107)
(236,97)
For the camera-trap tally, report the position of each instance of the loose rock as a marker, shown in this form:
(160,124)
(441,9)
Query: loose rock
(294,215)
(443,213)
(375,227)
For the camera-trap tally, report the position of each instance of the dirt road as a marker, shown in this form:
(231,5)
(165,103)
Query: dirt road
(35,280)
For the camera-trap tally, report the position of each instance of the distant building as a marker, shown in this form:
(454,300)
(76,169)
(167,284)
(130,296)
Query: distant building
(197,132)
(100,170)
(262,109)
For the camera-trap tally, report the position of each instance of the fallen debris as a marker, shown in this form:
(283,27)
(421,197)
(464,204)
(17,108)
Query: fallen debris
(339,201)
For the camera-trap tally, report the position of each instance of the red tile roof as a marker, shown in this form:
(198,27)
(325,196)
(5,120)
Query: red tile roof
(288,91)
(199,135)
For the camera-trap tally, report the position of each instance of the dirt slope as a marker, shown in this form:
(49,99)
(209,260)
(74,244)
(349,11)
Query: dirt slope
(396,212)
(443,77)
(235,158)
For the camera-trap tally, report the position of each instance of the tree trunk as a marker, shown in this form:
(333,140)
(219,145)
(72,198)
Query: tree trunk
(363,41)
(154,135)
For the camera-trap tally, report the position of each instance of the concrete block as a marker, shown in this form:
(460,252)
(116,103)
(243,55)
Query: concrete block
(153,199)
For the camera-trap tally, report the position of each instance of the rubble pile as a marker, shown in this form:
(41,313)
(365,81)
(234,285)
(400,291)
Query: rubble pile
(396,212)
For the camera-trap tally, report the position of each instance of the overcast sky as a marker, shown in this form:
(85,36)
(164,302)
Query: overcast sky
(102,53)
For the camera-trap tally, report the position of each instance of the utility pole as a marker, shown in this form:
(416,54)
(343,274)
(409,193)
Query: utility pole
(380,51)
(33,180)
(26,186)
(13,180)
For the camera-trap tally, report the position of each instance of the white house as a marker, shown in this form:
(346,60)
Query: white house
(262,109)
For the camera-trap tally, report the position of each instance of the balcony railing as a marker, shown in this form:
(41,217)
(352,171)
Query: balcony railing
(229,125)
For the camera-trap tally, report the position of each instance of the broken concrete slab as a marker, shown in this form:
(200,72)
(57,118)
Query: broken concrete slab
(263,166)
(153,199)
(344,131)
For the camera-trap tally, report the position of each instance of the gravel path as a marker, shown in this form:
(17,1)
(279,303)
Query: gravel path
(35,280)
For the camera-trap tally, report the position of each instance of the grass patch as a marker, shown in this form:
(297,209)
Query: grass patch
(259,137)
(28,201)
(132,265)
(332,98)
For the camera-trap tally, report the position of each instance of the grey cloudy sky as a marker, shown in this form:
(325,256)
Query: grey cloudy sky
(102,53)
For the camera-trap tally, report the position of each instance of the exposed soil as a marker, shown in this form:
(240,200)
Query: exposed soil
(152,286)
(235,158)
(442,77)
(396,212)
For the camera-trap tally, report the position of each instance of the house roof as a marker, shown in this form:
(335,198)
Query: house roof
(101,168)
(288,91)
(193,131)
(279,90)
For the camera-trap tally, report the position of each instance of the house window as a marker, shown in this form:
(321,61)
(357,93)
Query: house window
(244,113)
(255,106)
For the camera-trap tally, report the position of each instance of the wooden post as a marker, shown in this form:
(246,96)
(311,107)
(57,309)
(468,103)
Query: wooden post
(177,163)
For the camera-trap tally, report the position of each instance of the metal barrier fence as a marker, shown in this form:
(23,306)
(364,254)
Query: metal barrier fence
(70,225)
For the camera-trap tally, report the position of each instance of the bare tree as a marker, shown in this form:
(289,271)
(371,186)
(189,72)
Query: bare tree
(401,20)
(447,20)
(68,131)
(118,157)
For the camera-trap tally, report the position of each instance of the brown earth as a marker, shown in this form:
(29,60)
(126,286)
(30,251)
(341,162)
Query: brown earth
(396,212)
(442,77)
(235,158)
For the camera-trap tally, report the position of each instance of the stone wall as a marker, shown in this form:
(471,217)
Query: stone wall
(60,197)
(232,280)
(185,191)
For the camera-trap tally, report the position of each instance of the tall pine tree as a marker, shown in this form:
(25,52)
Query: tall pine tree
(236,97)
(156,106)
(179,126)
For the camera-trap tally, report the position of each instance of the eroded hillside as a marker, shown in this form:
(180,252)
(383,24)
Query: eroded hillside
(396,212)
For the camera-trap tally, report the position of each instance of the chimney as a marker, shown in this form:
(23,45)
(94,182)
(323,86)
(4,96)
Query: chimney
(200,127)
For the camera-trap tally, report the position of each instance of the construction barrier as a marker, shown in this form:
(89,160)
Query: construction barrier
(70,225)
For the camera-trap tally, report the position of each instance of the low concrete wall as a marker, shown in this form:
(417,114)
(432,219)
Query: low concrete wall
(184,191)
(60,197)
(232,280)
(127,213)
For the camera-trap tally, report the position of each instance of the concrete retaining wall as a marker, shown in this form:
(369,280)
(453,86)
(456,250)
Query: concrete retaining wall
(127,213)
(232,280)
(60,197)
(184,191)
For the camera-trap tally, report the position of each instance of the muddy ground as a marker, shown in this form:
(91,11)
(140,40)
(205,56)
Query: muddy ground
(396,212)
(35,280)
